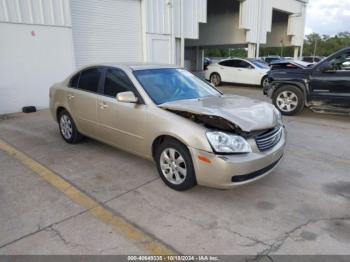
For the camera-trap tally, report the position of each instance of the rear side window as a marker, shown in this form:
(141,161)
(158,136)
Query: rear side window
(74,82)
(89,79)
(235,63)
(117,82)
(229,63)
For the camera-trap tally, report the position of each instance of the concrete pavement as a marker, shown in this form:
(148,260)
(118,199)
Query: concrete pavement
(301,208)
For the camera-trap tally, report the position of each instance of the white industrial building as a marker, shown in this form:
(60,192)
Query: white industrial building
(43,41)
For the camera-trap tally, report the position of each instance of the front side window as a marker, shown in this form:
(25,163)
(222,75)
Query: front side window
(171,84)
(116,82)
(244,64)
(259,64)
(89,79)
(341,63)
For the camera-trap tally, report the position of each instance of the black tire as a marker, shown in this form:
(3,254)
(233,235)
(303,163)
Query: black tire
(75,136)
(298,99)
(215,79)
(29,109)
(263,80)
(190,178)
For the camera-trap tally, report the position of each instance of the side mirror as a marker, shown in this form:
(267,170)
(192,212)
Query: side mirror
(127,97)
(326,68)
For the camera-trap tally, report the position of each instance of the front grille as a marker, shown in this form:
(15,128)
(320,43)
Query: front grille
(269,139)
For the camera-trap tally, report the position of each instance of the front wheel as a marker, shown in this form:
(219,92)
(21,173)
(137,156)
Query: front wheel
(175,165)
(289,100)
(264,82)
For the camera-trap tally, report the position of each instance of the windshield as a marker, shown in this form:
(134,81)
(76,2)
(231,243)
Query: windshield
(259,64)
(172,84)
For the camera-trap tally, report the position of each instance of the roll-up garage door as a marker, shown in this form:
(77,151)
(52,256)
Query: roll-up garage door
(106,31)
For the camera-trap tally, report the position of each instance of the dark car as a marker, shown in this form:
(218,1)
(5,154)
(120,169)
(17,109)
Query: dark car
(271,59)
(290,64)
(325,87)
(206,62)
(312,59)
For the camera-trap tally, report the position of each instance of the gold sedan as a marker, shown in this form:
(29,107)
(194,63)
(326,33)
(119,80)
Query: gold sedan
(194,133)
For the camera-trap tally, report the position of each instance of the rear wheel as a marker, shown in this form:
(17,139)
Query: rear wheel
(68,128)
(289,100)
(175,165)
(215,79)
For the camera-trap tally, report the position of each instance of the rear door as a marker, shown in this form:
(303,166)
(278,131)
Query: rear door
(82,99)
(333,84)
(121,124)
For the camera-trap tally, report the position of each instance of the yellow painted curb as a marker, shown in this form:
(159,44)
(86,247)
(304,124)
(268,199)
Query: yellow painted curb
(119,224)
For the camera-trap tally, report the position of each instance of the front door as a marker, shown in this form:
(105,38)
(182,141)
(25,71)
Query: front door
(121,124)
(247,74)
(333,84)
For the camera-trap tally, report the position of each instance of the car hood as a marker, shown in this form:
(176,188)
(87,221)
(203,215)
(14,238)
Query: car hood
(287,72)
(248,114)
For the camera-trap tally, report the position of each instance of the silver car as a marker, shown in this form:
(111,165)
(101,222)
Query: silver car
(194,133)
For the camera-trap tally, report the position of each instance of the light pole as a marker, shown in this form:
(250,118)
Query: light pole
(257,55)
(315,48)
(281,47)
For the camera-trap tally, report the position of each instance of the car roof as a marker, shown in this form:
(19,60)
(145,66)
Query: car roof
(232,58)
(133,66)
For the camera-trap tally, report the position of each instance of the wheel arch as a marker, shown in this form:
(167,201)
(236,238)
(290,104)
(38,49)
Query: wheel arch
(59,110)
(298,85)
(263,77)
(63,108)
(161,138)
(215,72)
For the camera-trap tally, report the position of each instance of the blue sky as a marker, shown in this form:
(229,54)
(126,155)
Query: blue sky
(328,16)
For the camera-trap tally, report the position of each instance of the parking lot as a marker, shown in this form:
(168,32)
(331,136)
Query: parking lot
(115,203)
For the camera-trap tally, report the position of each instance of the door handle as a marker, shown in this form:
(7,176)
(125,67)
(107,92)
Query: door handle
(103,105)
(70,97)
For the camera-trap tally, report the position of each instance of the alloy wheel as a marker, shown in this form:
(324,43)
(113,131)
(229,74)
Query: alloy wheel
(66,127)
(173,166)
(287,101)
(215,79)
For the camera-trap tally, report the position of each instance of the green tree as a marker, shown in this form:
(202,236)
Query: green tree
(325,45)
(225,52)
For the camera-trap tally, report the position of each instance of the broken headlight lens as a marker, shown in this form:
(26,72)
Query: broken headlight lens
(278,116)
(227,143)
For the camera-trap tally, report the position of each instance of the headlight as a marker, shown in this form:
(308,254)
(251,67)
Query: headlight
(278,116)
(227,143)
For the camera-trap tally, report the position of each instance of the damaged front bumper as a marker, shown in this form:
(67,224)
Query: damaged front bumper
(269,89)
(227,171)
